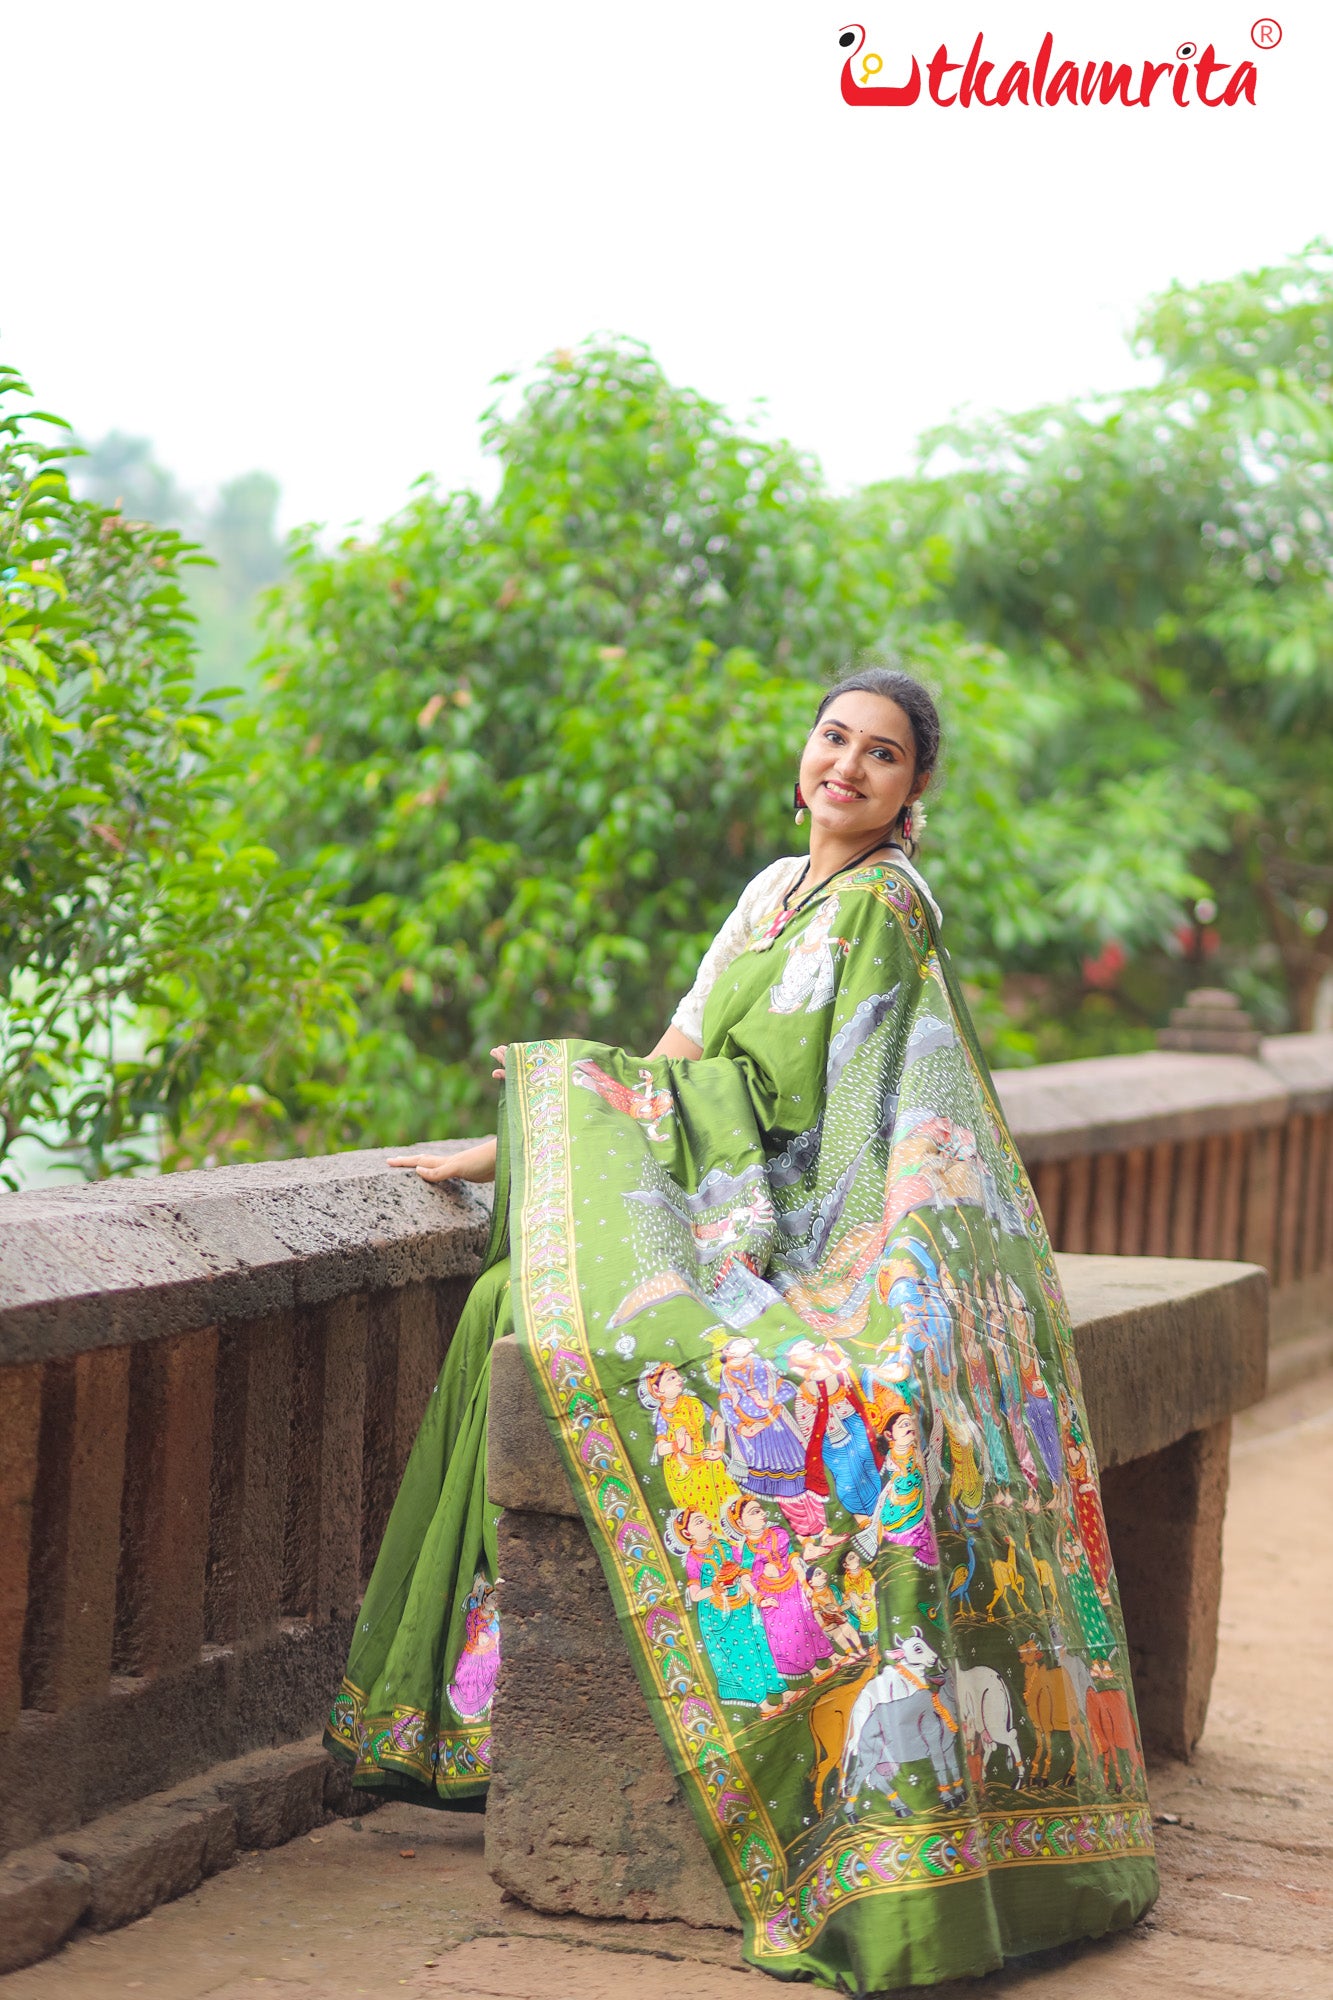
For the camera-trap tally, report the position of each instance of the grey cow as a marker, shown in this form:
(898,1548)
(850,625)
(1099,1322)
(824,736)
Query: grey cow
(901,1732)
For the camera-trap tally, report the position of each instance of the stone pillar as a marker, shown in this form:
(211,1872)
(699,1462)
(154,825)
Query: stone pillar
(1164,1516)
(584,1812)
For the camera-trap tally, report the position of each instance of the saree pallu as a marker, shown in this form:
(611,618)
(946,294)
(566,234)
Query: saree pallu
(794,1323)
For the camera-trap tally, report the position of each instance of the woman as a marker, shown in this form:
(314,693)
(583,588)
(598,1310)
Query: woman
(795,1636)
(689,1442)
(822,1083)
(902,1516)
(858,1595)
(766,1438)
(836,1421)
(724,1594)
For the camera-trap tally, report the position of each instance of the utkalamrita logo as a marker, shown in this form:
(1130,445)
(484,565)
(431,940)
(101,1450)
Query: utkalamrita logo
(1195,77)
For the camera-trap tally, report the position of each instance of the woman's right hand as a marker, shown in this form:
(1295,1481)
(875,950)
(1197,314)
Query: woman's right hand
(472,1163)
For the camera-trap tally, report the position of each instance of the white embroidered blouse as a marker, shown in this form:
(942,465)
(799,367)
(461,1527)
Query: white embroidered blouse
(760,900)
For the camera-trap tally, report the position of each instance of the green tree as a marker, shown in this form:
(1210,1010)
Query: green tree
(238,535)
(1163,562)
(539,743)
(165,986)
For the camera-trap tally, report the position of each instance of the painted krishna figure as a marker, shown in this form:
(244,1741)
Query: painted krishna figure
(793,1320)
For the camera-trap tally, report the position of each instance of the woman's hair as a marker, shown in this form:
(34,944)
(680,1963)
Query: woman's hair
(915,701)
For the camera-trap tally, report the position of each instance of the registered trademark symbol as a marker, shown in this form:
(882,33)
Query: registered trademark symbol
(1266,33)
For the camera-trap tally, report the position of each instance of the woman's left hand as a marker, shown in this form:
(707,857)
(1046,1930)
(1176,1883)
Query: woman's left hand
(498,1055)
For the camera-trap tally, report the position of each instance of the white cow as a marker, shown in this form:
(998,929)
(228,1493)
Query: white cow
(986,1717)
(889,1684)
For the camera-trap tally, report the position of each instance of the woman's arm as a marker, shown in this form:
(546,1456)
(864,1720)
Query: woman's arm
(477,1163)
(474,1163)
(673,1043)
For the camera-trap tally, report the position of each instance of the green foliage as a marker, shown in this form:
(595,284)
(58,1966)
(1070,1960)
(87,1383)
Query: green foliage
(162,978)
(1166,560)
(238,534)
(525,751)
(539,744)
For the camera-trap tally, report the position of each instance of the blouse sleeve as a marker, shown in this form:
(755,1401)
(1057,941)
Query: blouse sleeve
(729,943)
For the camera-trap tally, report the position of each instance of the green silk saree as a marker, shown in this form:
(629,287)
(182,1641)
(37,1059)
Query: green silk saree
(794,1323)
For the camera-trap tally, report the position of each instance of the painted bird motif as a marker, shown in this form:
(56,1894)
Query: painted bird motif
(647,1104)
(961,1580)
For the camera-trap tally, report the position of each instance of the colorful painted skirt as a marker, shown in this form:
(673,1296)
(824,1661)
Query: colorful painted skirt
(412,1715)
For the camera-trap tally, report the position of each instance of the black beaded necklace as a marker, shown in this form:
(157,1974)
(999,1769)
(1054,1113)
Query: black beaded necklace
(789,910)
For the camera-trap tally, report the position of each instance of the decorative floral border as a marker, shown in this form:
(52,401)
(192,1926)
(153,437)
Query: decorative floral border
(405,1743)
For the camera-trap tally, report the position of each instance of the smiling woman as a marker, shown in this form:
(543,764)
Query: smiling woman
(743,1272)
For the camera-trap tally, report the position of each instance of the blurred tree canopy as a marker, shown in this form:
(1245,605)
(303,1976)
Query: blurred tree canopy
(537,744)
(237,532)
(514,757)
(1164,560)
(164,982)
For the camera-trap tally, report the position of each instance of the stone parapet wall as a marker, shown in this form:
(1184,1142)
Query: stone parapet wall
(209,1383)
(1171,1154)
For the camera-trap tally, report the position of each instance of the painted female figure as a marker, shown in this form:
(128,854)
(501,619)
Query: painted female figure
(1087,1497)
(473,1683)
(1037,1404)
(689,1441)
(836,1421)
(901,1514)
(832,1615)
(809,978)
(723,1591)
(967,1310)
(754,1402)
(858,1595)
(795,1636)
(1010,1377)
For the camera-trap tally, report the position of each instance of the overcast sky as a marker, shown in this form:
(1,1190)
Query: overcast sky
(304,236)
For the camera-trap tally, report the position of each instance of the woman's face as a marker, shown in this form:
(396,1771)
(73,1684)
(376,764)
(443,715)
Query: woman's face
(858,769)
(902,1435)
(669,1384)
(753,1520)
(697,1529)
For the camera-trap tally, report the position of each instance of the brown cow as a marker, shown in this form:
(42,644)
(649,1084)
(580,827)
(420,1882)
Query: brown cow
(1112,1724)
(1052,1705)
(829,1719)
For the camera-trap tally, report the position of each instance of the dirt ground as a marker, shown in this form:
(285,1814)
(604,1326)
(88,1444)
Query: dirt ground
(401,1903)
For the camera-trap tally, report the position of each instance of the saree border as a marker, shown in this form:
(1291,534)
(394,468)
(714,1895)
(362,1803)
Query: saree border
(785,1912)
(406,1743)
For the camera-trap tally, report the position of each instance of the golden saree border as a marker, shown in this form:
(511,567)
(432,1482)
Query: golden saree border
(406,1743)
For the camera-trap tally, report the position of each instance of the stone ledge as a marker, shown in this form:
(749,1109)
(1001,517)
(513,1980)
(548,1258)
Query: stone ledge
(1108,1104)
(1187,1338)
(170,1731)
(1304,1065)
(150,1853)
(42,1897)
(104,1263)
(1166,1346)
(121,1866)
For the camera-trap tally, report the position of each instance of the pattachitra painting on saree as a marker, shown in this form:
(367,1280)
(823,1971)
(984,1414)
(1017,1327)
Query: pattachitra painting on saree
(794,1320)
